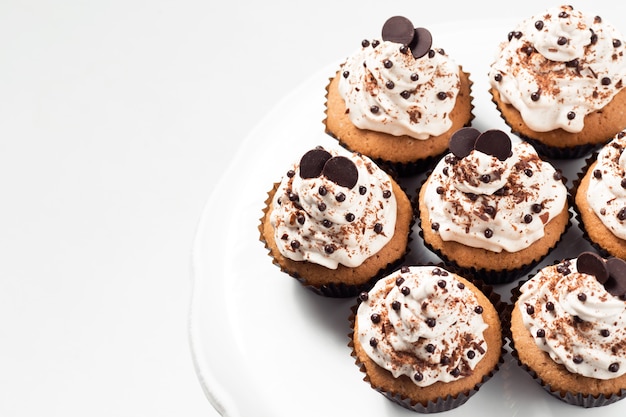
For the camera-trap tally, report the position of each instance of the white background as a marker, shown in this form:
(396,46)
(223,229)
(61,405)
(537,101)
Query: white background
(116,120)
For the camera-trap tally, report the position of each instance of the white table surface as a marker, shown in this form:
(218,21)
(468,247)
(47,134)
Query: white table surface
(116,119)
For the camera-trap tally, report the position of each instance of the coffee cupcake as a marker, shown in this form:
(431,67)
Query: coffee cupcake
(336,222)
(426,338)
(492,207)
(568,329)
(558,82)
(398,99)
(600,197)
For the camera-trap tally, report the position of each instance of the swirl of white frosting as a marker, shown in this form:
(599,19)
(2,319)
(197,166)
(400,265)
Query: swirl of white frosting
(509,215)
(337,225)
(572,317)
(424,323)
(390,91)
(606,194)
(559,66)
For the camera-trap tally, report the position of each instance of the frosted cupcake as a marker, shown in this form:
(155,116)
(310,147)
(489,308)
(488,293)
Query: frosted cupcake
(492,207)
(336,222)
(600,198)
(398,99)
(568,329)
(558,82)
(426,338)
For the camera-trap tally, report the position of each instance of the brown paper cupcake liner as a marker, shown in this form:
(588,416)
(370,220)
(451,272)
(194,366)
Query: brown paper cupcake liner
(488,276)
(572,398)
(400,169)
(332,289)
(440,404)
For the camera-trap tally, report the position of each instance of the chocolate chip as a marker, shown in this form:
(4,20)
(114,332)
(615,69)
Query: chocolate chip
(422,41)
(539,24)
(462,141)
(593,264)
(375,317)
(398,29)
(341,171)
(616,284)
(494,142)
(312,163)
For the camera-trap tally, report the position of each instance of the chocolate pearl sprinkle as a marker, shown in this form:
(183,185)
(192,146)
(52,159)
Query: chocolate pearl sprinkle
(539,24)
(405,290)
(550,306)
(321,206)
(582,296)
(375,318)
(488,233)
(617,43)
(378,228)
(535,95)
(374,109)
(414,77)
(418,376)
(498,77)
(322,190)
(605,81)
(329,249)
(471,354)
(528,172)
(387,63)
(327,223)
(390,85)
(350,217)
(405,270)
(597,174)
(614,367)
(373,342)
(561,41)
(405,94)
(396,305)
(363,296)
(441,283)
(605,333)
(386,194)
(291,173)
(435,226)
(486,178)
(577,359)
(621,214)
(528,218)
(341,197)
(571,115)
(365,43)
(362,189)
(478,310)
(430,322)
(536,208)
(541,333)
(295,244)
(442,95)
(430,348)
(455,372)
(375,43)
(530,309)
(399,281)
(623,183)
(404,49)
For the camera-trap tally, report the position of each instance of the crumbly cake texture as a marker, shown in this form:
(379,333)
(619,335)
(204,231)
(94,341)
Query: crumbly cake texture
(570,387)
(344,281)
(600,127)
(440,396)
(403,153)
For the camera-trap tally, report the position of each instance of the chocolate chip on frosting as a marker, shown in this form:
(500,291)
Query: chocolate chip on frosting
(422,41)
(492,142)
(593,264)
(616,284)
(462,141)
(341,171)
(398,29)
(312,163)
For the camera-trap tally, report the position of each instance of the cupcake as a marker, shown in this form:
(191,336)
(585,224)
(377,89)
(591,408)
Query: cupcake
(558,82)
(336,222)
(492,207)
(568,329)
(398,100)
(600,198)
(426,338)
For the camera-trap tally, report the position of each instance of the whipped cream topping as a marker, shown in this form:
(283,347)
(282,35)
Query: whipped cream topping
(483,202)
(386,89)
(559,66)
(424,323)
(318,220)
(573,318)
(606,194)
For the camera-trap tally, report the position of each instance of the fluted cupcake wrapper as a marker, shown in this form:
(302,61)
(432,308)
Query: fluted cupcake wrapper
(332,289)
(450,401)
(577,399)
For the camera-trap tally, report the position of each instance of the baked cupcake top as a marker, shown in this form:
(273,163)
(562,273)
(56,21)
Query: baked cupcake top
(399,85)
(424,323)
(576,312)
(559,66)
(333,207)
(489,193)
(607,186)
